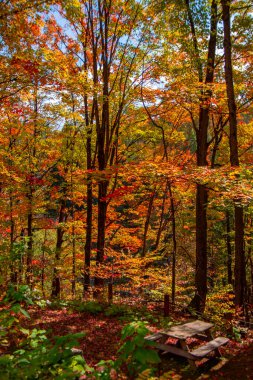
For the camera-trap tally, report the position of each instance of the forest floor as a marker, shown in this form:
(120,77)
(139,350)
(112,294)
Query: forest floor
(102,340)
(239,367)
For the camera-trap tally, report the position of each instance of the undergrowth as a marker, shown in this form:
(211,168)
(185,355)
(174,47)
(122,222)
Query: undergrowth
(34,356)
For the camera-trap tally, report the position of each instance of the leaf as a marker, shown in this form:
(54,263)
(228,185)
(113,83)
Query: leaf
(146,356)
(127,349)
(139,341)
(25,313)
(23,361)
(24,331)
(128,331)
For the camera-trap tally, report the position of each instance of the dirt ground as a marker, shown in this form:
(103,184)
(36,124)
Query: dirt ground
(239,367)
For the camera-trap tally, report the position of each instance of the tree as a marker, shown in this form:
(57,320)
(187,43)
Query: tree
(239,270)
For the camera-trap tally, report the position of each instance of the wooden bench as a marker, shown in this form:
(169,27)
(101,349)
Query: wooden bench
(154,337)
(213,345)
(197,354)
(197,329)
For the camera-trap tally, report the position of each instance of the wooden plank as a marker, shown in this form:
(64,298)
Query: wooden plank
(174,350)
(202,337)
(187,330)
(76,351)
(202,351)
(199,325)
(154,336)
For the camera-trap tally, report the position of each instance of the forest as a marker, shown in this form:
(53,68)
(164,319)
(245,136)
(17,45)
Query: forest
(126,181)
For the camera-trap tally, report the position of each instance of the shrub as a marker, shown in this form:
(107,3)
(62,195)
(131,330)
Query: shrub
(136,352)
(117,310)
(39,358)
(91,307)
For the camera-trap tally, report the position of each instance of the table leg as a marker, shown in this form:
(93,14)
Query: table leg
(210,337)
(185,347)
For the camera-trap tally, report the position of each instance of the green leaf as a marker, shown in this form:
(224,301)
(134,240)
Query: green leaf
(146,356)
(23,361)
(16,308)
(127,348)
(139,341)
(24,331)
(128,331)
(19,352)
(25,313)
(142,330)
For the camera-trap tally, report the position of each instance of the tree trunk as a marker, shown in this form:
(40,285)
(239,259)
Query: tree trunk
(30,241)
(56,282)
(229,249)
(43,264)
(102,208)
(161,223)
(239,270)
(150,205)
(199,300)
(73,288)
(103,138)
(251,278)
(174,252)
(14,261)
(89,191)
(32,173)
(88,238)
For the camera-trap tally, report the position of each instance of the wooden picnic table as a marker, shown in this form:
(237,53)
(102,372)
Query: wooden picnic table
(196,329)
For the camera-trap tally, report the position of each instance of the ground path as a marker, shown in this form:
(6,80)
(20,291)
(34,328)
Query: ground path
(239,367)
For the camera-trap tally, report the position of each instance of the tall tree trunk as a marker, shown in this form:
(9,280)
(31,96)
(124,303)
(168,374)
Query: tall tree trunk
(162,222)
(150,205)
(43,264)
(88,238)
(32,174)
(174,239)
(14,261)
(56,282)
(199,300)
(229,249)
(21,263)
(73,288)
(251,277)
(102,208)
(29,271)
(89,116)
(240,265)
(103,136)
(239,270)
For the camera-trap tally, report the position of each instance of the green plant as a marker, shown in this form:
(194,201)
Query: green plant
(136,352)
(236,334)
(39,358)
(57,304)
(34,356)
(91,307)
(13,303)
(118,310)
(18,294)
